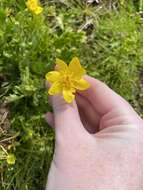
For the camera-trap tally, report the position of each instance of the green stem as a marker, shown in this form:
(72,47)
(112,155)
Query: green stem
(141,5)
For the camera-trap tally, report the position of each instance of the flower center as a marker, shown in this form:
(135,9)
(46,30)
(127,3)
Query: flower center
(67,81)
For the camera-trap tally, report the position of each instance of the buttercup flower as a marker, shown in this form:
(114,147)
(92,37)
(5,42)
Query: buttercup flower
(11,159)
(34,6)
(67,79)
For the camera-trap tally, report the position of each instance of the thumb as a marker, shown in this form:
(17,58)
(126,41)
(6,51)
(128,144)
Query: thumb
(67,119)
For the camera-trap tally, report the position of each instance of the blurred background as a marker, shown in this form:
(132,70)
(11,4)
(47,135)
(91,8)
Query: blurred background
(106,35)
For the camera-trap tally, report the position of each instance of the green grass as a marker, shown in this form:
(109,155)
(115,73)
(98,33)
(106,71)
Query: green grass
(108,39)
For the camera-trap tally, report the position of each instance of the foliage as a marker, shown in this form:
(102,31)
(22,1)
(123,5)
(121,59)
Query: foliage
(107,39)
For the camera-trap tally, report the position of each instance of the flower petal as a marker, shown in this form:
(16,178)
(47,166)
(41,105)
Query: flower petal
(53,76)
(61,65)
(38,10)
(76,68)
(81,84)
(56,88)
(68,95)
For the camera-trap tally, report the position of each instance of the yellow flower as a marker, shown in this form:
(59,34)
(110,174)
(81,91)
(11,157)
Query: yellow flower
(67,79)
(8,11)
(34,7)
(10,159)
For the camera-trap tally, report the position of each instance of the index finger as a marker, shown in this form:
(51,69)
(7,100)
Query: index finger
(103,98)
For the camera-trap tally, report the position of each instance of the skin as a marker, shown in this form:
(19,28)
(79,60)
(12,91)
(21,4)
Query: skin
(99,142)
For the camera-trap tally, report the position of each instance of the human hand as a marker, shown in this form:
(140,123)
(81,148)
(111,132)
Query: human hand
(99,140)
